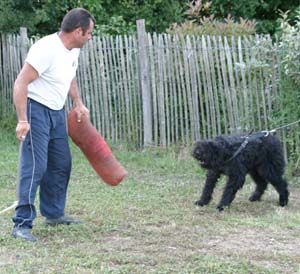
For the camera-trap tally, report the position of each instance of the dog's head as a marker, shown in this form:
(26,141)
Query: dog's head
(208,153)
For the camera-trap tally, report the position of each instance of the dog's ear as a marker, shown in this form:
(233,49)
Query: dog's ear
(197,149)
(220,150)
(214,145)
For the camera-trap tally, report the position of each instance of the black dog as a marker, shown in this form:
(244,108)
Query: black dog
(259,155)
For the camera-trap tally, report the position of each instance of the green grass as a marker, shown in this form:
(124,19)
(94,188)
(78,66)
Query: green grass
(149,224)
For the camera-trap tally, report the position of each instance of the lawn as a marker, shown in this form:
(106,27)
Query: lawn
(149,223)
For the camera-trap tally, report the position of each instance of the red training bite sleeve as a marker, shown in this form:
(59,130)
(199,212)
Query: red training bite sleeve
(95,149)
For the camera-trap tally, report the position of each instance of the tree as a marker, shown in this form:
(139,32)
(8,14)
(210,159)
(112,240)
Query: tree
(56,10)
(17,13)
(158,14)
(117,17)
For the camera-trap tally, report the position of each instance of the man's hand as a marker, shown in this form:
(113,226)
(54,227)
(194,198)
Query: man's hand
(22,129)
(81,110)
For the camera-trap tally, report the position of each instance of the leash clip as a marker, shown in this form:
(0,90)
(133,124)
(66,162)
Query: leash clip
(244,144)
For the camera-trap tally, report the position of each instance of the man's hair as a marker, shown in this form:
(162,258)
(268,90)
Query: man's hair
(77,18)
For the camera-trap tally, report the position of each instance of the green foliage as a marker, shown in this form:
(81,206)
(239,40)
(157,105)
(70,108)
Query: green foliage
(199,23)
(211,26)
(158,14)
(17,13)
(8,122)
(42,17)
(116,26)
(290,47)
(7,128)
(56,10)
(289,96)
(265,13)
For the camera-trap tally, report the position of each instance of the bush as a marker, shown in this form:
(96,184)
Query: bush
(265,13)
(289,96)
(210,26)
(290,47)
(201,23)
(116,26)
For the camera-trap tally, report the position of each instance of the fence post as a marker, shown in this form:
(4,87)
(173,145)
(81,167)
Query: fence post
(23,43)
(145,84)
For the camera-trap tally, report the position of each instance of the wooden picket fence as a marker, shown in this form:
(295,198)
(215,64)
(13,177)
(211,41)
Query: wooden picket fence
(160,89)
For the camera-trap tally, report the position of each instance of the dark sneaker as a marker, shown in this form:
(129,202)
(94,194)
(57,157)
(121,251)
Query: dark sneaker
(63,220)
(23,233)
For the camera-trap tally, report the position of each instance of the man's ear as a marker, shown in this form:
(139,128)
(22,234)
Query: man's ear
(78,32)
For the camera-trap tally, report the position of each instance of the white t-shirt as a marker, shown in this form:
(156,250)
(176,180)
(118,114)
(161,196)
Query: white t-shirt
(56,66)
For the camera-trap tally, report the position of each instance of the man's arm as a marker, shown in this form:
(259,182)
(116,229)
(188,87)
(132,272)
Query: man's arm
(79,108)
(20,92)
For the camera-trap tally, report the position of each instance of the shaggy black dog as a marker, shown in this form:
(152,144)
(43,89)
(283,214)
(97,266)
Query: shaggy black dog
(235,156)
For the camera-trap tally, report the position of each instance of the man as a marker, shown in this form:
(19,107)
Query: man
(39,95)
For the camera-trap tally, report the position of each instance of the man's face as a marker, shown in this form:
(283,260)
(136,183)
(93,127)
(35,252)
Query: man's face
(83,37)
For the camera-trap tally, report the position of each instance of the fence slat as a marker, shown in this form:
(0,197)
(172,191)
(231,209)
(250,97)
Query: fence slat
(194,89)
(180,107)
(240,113)
(241,67)
(161,94)
(117,91)
(165,63)
(207,70)
(152,42)
(143,61)
(172,90)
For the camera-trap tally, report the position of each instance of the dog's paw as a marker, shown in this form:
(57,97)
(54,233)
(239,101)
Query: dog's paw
(254,198)
(256,195)
(220,208)
(200,203)
(284,199)
(283,202)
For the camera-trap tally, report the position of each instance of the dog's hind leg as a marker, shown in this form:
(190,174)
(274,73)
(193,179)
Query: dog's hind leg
(234,183)
(261,185)
(282,188)
(210,183)
(275,178)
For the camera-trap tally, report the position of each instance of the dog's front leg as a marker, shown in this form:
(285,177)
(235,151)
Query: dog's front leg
(234,183)
(210,183)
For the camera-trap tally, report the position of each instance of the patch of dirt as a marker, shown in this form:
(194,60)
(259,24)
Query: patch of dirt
(5,260)
(256,240)
(254,244)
